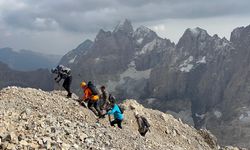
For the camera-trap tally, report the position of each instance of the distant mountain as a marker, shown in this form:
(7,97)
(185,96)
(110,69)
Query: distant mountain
(203,79)
(39,79)
(25,60)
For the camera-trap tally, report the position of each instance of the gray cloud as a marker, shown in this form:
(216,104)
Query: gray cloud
(86,17)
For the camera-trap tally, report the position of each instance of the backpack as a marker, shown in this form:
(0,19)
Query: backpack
(64,71)
(144,126)
(93,88)
(145,122)
(121,109)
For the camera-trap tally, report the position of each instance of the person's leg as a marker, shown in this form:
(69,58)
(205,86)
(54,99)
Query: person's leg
(65,82)
(119,122)
(96,106)
(90,106)
(112,123)
(67,85)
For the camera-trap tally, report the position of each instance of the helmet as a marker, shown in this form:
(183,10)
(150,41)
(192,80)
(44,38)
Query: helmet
(83,84)
(112,99)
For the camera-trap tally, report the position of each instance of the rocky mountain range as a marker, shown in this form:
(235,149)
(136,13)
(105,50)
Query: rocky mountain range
(26,60)
(34,119)
(40,79)
(203,79)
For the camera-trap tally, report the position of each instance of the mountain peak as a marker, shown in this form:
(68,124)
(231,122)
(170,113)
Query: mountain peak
(196,31)
(143,31)
(236,33)
(144,34)
(191,36)
(124,26)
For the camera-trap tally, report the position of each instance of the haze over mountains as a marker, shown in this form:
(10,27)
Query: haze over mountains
(26,69)
(202,79)
(26,60)
(39,79)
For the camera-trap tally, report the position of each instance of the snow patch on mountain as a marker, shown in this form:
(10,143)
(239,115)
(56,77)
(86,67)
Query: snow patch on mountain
(245,117)
(148,47)
(132,73)
(142,31)
(72,60)
(139,41)
(97,60)
(186,66)
(202,60)
(194,31)
(218,114)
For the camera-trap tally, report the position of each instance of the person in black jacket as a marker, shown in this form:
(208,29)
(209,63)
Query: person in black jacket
(63,73)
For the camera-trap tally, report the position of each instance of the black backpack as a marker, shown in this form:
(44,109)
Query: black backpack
(145,122)
(143,126)
(93,88)
(121,109)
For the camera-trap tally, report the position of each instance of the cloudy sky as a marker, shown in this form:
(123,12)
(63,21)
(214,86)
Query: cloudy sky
(57,26)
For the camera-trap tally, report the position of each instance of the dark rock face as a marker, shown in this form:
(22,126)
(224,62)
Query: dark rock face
(40,79)
(204,75)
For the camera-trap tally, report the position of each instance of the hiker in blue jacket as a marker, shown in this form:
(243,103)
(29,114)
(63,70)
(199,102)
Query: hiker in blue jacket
(118,116)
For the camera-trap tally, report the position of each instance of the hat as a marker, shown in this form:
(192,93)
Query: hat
(83,84)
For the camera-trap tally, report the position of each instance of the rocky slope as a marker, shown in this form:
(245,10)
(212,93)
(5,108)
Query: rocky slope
(40,79)
(203,79)
(34,119)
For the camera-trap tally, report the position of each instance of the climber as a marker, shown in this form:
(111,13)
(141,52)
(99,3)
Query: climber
(104,99)
(63,73)
(91,97)
(118,115)
(143,125)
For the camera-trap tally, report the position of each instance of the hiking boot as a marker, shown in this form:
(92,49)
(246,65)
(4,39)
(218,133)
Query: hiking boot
(69,95)
(102,116)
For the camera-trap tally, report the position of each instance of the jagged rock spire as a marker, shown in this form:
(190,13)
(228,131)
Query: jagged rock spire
(124,26)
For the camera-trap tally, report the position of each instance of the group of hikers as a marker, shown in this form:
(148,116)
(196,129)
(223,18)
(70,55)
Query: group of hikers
(101,104)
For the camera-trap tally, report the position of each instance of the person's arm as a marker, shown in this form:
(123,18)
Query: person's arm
(57,76)
(87,94)
(112,111)
(60,78)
